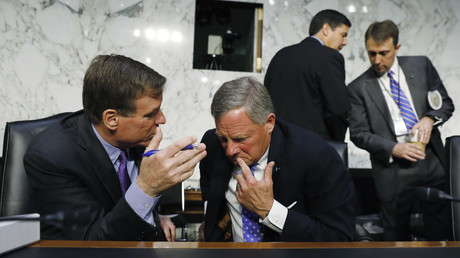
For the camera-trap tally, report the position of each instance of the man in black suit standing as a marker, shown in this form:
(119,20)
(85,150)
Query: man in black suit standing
(397,101)
(306,81)
(293,180)
(90,162)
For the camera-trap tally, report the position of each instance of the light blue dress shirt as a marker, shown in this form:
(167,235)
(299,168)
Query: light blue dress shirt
(139,201)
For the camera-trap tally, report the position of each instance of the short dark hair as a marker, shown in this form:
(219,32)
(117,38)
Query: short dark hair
(115,82)
(381,31)
(244,92)
(331,17)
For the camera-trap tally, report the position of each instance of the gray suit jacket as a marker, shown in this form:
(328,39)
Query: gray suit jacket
(371,125)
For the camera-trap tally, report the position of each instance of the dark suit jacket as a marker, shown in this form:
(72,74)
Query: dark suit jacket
(306,82)
(69,170)
(307,170)
(371,125)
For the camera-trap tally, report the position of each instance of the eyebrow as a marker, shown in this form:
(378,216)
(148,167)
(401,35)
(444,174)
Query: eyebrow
(151,113)
(379,52)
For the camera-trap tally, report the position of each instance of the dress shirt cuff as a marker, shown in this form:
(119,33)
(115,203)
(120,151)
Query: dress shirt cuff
(141,203)
(437,120)
(276,217)
(205,207)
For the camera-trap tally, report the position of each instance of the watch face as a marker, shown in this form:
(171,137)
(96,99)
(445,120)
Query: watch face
(434,99)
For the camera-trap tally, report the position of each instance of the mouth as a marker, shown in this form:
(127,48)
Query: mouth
(379,68)
(233,160)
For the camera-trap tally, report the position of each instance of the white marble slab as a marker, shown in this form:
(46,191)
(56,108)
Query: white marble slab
(46,47)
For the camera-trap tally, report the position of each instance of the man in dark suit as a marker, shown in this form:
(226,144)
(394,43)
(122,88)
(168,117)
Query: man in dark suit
(72,166)
(380,123)
(306,81)
(309,196)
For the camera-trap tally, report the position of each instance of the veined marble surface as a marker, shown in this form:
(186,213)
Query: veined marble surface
(46,46)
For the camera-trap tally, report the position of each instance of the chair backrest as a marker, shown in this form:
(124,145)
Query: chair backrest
(14,185)
(453,163)
(342,149)
(172,200)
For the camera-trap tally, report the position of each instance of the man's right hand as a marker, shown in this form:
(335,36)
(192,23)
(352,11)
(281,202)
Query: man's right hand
(168,167)
(409,151)
(201,232)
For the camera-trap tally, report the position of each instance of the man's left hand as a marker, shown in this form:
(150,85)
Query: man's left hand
(168,228)
(256,196)
(424,127)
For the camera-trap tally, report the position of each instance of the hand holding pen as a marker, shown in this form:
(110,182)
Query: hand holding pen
(151,152)
(168,166)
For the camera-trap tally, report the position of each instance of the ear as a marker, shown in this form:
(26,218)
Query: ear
(326,29)
(270,124)
(397,48)
(110,119)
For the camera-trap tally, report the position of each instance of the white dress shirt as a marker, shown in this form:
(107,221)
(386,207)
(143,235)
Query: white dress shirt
(402,133)
(277,215)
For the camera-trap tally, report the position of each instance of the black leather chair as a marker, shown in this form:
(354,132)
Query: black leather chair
(342,149)
(14,186)
(361,233)
(453,163)
(172,204)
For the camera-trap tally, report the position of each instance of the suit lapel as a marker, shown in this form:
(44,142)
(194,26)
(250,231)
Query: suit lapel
(375,93)
(276,154)
(102,171)
(413,82)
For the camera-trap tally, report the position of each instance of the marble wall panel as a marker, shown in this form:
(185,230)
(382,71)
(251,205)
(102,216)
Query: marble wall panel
(46,46)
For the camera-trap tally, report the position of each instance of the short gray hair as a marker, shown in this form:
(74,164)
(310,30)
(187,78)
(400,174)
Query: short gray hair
(243,92)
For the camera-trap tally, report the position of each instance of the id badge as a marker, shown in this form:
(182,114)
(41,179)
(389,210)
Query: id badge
(400,127)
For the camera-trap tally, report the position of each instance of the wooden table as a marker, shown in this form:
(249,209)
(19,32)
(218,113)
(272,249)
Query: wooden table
(114,249)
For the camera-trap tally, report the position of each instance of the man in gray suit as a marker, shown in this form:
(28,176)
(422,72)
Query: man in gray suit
(391,102)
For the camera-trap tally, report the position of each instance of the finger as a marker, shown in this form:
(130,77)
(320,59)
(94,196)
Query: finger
(268,172)
(238,194)
(415,128)
(240,181)
(177,146)
(187,168)
(415,149)
(173,233)
(201,232)
(167,233)
(416,152)
(427,138)
(191,157)
(410,157)
(245,169)
(156,139)
(186,175)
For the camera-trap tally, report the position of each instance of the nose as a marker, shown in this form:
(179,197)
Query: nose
(344,43)
(161,119)
(232,149)
(378,59)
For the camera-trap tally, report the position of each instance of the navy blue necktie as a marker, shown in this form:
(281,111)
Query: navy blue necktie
(251,227)
(401,99)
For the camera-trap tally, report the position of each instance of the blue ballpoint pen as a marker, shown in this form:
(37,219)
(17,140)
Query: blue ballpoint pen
(151,152)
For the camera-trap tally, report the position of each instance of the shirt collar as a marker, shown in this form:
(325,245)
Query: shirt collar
(318,40)
(394,68)
(112,151)
(263,160)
